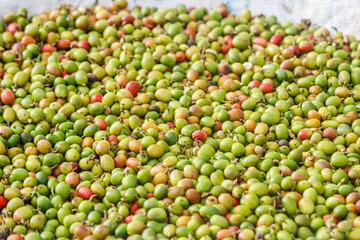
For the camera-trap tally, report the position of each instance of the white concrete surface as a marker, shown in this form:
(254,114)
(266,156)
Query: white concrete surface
(342,14)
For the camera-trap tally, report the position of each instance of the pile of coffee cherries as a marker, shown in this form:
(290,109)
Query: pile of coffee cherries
(180,123)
